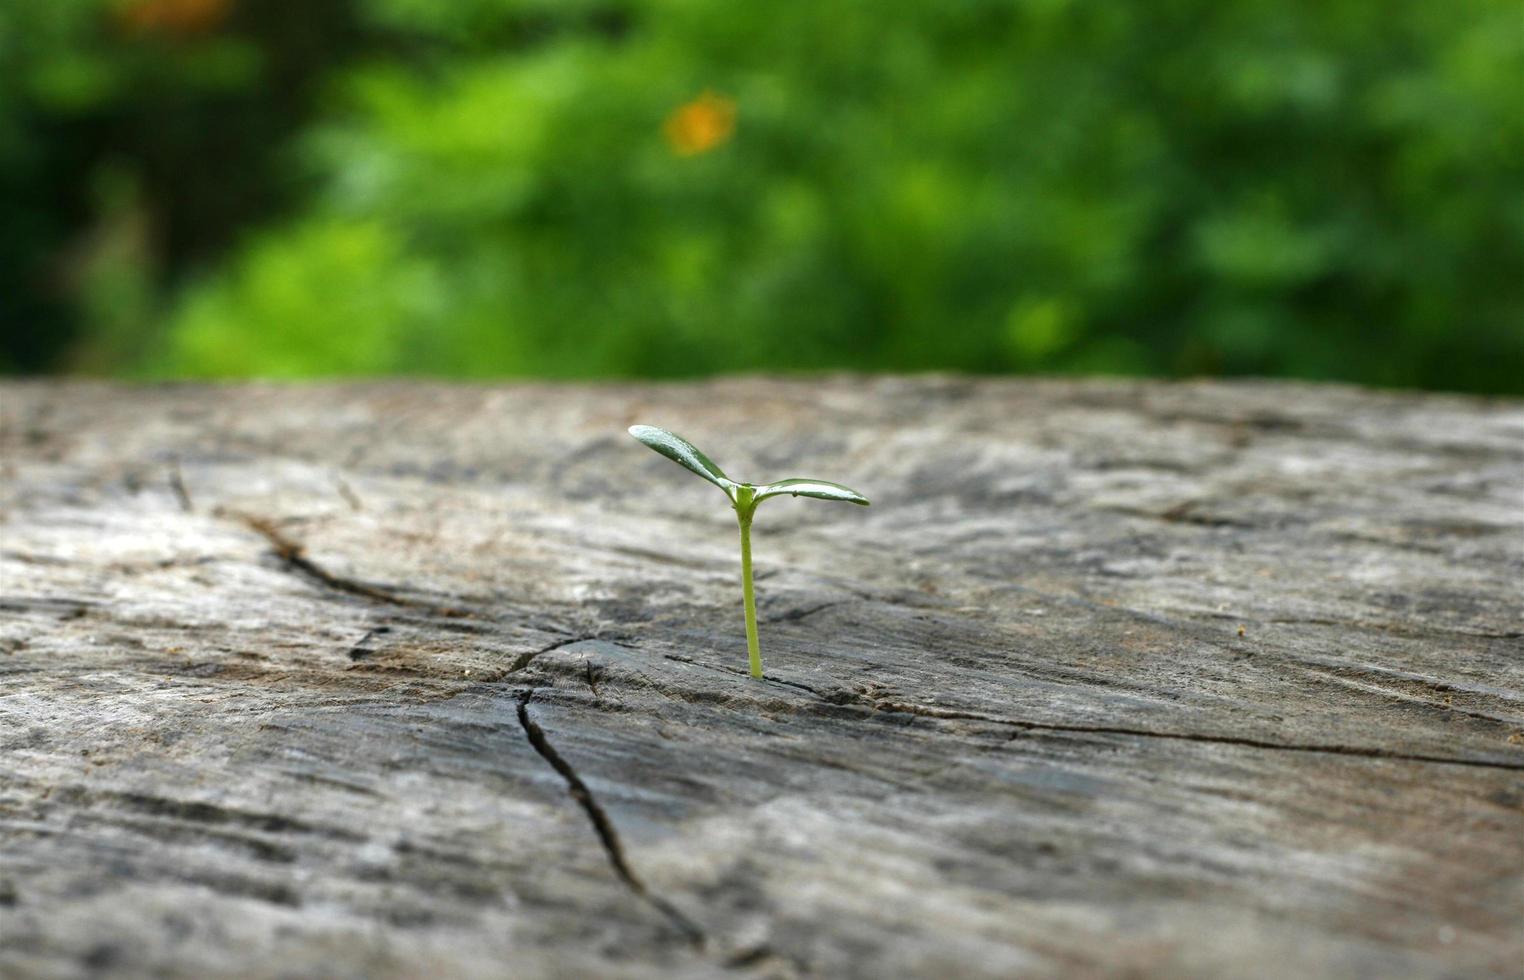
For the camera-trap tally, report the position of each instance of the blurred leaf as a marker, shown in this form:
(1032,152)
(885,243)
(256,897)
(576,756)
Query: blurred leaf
(594,188)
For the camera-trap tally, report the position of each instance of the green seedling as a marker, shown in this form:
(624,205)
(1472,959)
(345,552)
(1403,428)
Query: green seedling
(744,498)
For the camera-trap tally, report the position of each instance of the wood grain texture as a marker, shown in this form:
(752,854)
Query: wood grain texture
(395,680)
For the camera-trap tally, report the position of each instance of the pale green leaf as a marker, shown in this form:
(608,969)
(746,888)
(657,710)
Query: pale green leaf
(683,453)
(818,489)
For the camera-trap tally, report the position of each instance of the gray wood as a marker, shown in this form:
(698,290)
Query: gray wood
(393,680)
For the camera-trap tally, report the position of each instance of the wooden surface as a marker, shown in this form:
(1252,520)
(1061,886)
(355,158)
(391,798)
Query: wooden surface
(399,680)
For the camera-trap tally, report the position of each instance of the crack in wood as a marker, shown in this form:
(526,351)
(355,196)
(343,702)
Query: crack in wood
(525,659)
(198,812)
(1365,752)
(293,554)
(795,615)
(844,696)
(603,826)
(177,487)
(760,956)
(1184,513)
(1396,629)
(360,651)
(1192,622)
(1355,678)
(347,492)
(64,607)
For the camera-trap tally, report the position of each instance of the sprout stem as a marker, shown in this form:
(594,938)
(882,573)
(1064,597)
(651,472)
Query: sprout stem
(753,648)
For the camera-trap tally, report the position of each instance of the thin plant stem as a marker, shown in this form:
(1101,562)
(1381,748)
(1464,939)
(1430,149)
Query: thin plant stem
(753,648)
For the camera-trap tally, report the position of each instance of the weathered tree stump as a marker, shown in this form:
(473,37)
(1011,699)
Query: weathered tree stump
(398,680)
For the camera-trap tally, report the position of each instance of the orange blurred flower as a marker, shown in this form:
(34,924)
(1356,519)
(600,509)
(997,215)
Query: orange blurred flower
(701,125)
(183,18)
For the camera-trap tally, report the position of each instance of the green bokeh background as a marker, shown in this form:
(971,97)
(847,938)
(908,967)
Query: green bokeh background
(474,188)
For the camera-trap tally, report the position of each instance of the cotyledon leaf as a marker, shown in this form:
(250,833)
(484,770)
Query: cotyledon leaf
(683,453)
(811,488)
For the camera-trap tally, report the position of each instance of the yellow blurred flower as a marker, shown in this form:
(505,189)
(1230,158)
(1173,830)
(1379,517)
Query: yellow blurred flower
(701,125)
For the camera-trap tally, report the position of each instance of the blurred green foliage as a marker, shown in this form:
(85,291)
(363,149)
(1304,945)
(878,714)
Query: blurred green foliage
(484,187)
